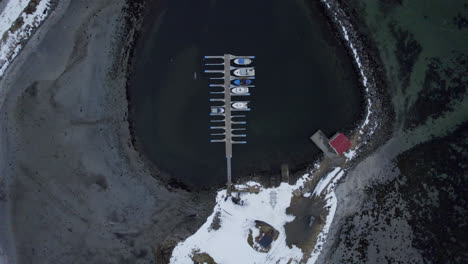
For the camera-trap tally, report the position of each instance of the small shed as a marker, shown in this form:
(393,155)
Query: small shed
(340,143)
(265,241)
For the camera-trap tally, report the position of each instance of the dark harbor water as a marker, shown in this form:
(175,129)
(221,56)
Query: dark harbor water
(304,81)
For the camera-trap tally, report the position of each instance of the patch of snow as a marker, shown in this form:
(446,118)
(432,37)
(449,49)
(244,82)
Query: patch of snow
(350,154)
(357,59)
(345,30)
(229,243)
(301,181)
(324,181)
(252,184)
(10,13)
(10,41)
(332,203)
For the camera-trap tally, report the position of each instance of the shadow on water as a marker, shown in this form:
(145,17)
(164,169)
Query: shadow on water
(305,81)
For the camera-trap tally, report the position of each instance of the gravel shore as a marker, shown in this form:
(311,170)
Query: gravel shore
(73,190)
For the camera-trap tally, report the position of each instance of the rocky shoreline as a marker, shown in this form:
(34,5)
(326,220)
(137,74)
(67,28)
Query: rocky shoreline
(72,174)
(125,234)
(69,174)
(377,95)
(381,206)
(378,120)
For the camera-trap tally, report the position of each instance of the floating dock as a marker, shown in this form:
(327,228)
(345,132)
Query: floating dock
(229,106)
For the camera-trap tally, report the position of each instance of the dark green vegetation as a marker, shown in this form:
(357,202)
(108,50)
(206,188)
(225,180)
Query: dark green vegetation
(433,184)
(429,194)
(407,51)
(444,86)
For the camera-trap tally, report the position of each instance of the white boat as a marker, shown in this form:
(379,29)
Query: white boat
(240,90)
(242,61)
(217,110)
(242,72)
(240,105)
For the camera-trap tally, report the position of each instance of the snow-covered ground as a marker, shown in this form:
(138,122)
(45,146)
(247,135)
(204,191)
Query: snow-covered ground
(12,11)
(326,186)
(322,184)
(16,26)
(228,244)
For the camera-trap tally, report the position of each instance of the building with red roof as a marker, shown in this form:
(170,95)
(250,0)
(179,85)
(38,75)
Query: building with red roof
(340,143)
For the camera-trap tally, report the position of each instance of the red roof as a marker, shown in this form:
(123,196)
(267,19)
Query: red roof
(340,143)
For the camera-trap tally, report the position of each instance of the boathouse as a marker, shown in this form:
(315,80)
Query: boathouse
(333,147)
(340,143)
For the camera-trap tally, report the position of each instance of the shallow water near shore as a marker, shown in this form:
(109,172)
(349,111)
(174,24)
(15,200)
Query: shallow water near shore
(305,81)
